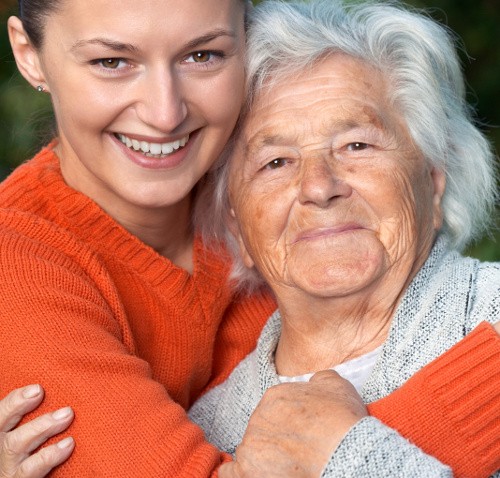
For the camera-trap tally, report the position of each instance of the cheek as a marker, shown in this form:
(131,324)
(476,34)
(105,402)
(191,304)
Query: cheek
(263,222)
(405,211)
(221,99)
(84,106)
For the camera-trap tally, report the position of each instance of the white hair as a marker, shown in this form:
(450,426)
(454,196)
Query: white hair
(418,57)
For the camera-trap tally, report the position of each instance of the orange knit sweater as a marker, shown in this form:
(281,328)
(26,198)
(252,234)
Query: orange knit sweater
(126,338)
(451,408)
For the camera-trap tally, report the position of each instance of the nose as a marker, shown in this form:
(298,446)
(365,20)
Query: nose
(319,185)
(161,102)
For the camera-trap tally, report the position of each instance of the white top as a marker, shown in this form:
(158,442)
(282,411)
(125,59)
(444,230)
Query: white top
(356,370)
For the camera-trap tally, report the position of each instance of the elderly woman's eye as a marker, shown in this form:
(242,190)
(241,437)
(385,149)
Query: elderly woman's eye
(357,146)
(276,163)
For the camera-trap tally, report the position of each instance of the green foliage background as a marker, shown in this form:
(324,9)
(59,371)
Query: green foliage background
(26,120)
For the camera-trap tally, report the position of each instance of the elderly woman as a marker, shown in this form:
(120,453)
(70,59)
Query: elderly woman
(355,178)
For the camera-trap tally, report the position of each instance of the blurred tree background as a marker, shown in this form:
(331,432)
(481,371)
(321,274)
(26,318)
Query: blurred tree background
(26,121)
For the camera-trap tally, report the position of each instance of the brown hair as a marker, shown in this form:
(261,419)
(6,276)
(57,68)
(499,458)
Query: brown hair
(33,13)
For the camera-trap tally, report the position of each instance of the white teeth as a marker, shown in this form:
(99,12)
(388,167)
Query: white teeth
(153,149)
(166,148)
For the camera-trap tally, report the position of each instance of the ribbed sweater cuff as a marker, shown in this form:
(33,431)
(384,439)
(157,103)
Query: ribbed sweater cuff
(450,408)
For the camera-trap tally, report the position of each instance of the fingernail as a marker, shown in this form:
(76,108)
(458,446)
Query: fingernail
(32,391)
(67,442)
(62,413)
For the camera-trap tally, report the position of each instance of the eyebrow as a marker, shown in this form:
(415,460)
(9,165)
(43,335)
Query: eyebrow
(128,47)
(261,140)
(106,43)
(209,36)
(264,138)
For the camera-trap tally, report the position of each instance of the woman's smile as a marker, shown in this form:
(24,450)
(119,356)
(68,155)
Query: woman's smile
(153,148)
(326,232)
(149,153)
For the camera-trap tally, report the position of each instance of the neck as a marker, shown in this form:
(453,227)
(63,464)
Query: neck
(320,332)
(318,335)
(167,230)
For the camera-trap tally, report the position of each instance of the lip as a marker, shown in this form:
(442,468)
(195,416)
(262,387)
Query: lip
(170,161)
(322,232)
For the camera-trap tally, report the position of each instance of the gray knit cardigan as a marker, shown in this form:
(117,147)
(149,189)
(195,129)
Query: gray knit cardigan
(449,296)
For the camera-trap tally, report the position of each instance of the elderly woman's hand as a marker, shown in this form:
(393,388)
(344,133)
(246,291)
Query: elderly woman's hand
(296,427)
(17,444)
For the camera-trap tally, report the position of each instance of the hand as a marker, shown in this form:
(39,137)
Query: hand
(296,427)
(17,444)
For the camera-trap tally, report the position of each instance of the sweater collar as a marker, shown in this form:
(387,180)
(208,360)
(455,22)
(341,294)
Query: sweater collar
(81,214)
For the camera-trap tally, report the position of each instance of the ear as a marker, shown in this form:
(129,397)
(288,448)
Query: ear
(438,177)
(26,55)
(235,231)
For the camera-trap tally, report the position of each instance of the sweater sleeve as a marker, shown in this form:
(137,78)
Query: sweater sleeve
(450,408)
(373,450)
(61,330)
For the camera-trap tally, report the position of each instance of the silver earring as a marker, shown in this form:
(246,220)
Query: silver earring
(40,88)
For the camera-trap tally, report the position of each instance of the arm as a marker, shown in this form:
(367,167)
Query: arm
(450,408)
(386,407)
(373,450)
(363,444)
(58,328)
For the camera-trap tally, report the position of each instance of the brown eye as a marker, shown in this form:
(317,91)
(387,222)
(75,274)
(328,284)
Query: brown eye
(111,63)
(276,163)
(357,146)
(201,56)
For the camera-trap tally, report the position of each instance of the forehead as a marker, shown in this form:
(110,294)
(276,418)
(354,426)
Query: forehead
(340,92)
(163,20)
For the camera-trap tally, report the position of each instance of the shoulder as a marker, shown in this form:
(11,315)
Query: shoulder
(27,237)
(485,296)
(42,255)
(28,179)
(459,290)
(488,275)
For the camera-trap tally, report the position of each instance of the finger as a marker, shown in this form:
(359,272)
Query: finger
(331,378)
(18,443)
(326,375)
(228,470)
(17,404)
(39,464)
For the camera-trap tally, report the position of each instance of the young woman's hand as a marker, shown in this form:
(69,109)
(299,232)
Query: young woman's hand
(17,445)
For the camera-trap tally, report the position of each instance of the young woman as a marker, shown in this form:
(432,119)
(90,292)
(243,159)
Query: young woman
(109,298)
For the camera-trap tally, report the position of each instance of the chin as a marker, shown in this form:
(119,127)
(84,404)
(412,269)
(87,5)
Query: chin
(338,280)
